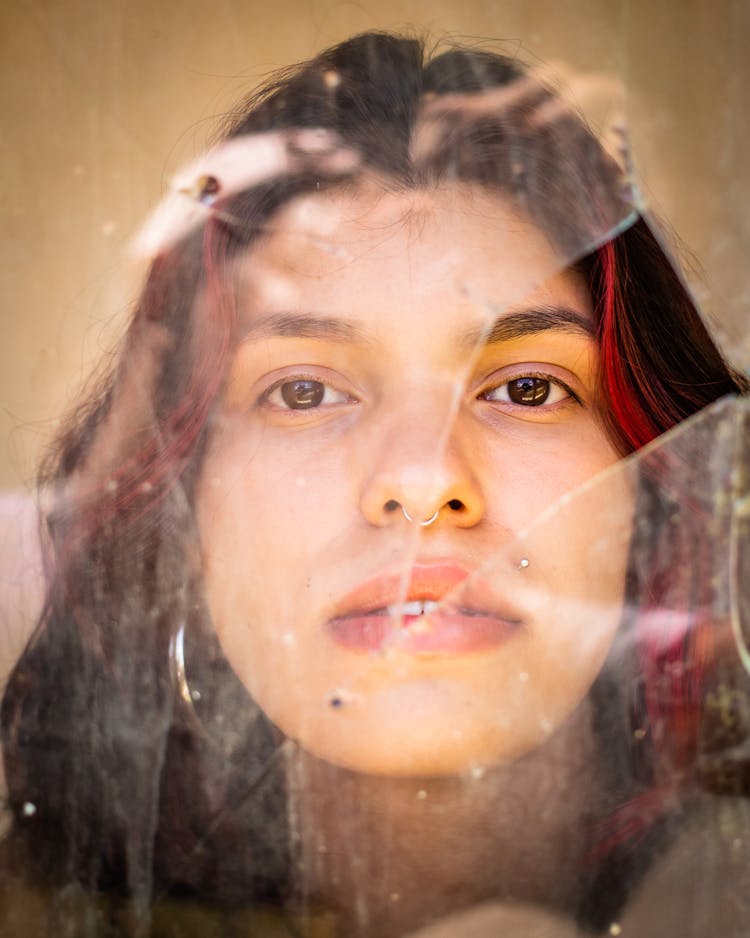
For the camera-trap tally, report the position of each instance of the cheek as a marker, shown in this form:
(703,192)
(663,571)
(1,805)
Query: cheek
(533,468)
(267,498)
(581,535)
(269,521)
(579,554)
(573,531)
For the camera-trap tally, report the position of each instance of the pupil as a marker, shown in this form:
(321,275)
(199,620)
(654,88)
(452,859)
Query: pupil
(533,391)
(302,394)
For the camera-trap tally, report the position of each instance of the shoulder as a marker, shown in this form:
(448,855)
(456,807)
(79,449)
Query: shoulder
(701,883)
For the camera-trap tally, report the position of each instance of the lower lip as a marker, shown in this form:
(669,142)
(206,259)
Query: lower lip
(440,633)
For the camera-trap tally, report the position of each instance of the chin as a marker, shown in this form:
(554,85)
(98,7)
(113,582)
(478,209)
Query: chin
(414,748)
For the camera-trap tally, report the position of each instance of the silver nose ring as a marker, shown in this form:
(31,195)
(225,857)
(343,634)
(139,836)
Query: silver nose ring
(422,524)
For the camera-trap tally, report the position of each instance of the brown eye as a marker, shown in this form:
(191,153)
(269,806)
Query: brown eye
(529,391)
(302,393)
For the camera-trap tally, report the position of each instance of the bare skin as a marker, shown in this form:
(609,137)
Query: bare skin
(393,855)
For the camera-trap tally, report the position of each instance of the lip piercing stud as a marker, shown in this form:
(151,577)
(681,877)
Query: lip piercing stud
(422,524)
(523,563)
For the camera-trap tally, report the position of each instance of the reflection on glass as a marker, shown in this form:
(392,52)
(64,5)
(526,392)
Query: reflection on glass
(376,607)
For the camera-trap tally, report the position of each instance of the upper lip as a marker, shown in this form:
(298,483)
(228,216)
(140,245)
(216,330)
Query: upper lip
(432,581)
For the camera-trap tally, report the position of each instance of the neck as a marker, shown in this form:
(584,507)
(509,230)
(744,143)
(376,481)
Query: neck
(388,855)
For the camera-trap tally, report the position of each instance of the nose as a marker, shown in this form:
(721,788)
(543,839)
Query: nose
(422,475)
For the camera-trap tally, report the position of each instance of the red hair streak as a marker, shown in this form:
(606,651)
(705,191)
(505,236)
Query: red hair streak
(675,650)
(636,426)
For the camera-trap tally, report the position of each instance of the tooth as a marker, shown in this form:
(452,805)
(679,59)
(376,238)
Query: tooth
(429,606)
(413,608)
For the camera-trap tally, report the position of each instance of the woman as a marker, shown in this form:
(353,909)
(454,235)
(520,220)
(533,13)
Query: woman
(313,636)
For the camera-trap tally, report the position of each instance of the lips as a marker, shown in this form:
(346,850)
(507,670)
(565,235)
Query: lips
(432,614)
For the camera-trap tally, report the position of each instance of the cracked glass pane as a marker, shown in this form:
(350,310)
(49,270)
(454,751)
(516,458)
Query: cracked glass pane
(395,568)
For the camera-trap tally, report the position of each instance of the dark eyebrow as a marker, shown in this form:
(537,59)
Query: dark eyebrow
(504,329)
(529,322)
(299,326)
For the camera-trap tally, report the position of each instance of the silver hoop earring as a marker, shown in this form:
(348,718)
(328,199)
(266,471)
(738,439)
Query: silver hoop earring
(177,657)
(422,524)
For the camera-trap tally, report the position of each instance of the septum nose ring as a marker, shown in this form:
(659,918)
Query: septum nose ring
(422,524)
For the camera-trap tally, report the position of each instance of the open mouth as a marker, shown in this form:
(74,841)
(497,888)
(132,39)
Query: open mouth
(429,621)
(409,610)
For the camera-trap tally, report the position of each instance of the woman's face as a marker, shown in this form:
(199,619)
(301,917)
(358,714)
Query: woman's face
(412,355)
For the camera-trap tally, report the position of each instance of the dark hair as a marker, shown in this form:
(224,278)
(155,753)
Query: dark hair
(93,708)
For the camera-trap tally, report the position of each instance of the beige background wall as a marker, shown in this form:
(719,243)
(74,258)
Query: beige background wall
(102,99)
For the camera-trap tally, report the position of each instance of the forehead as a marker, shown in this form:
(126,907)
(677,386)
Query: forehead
(370,249)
